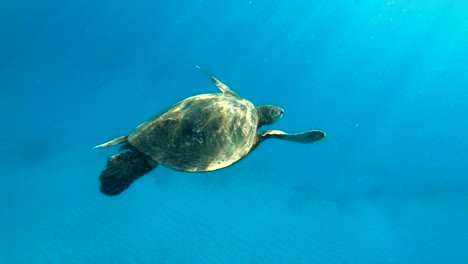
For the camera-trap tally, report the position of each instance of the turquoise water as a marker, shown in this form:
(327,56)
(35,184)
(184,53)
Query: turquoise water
(387,81)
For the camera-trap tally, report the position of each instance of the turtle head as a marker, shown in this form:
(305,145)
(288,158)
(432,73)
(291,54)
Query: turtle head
(268,114)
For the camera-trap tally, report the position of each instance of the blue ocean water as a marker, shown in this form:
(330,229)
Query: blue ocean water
(386,80)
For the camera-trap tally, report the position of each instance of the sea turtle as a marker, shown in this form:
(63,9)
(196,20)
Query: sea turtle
(204,132)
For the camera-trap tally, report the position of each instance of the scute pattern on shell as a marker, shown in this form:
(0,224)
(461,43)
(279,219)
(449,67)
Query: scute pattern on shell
(201,133)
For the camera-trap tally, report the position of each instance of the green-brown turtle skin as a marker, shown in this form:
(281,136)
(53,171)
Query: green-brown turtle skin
(201,133)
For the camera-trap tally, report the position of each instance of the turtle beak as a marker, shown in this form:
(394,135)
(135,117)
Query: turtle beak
(281,113)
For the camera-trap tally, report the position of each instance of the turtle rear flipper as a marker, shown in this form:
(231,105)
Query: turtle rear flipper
(113,142)
(123,169)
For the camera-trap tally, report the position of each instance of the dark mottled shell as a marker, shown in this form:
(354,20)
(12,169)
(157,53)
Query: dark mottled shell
(201,133)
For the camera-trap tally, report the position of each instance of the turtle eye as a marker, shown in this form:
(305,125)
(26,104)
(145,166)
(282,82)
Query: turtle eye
(276,113)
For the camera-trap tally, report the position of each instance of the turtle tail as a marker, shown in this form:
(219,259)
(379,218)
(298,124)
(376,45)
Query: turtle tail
(123,169)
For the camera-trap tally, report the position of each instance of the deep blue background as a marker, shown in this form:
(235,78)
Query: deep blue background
(387,81)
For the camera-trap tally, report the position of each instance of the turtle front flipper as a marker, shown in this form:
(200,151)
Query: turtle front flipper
(123,169)
(304,137)
(221,86)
